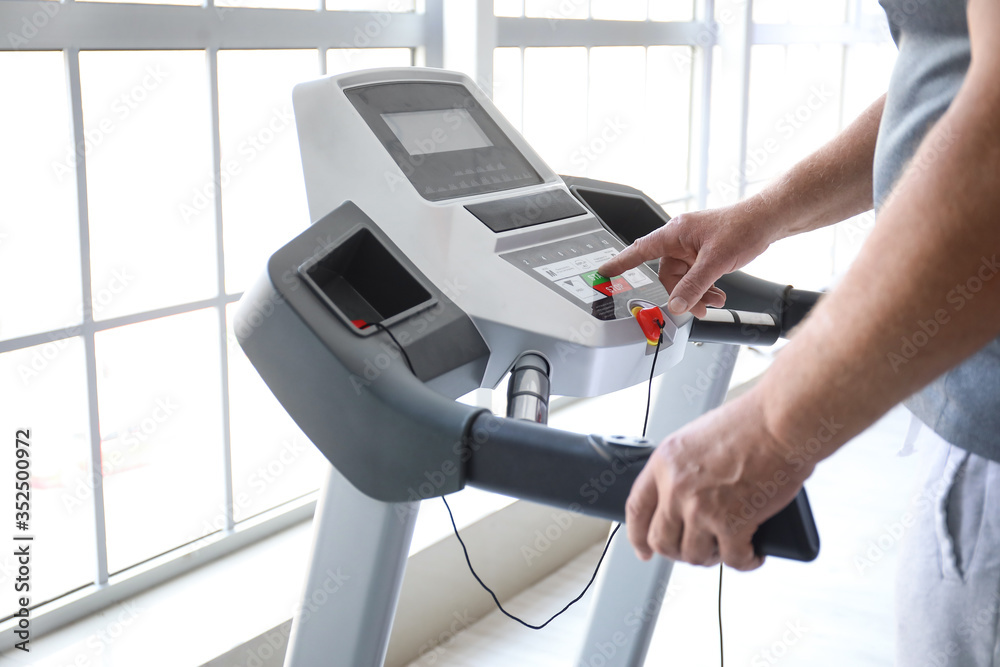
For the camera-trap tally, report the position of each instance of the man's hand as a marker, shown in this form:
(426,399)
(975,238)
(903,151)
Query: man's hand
(708,486)
(695,250)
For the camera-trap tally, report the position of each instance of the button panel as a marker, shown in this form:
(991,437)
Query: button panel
(569,267)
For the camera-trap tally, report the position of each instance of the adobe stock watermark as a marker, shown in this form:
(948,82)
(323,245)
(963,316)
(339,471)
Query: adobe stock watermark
(31,25)
(958,297)
(786,127)
(432,650)
(260,480)
(113,459)
(272,642)
(722,363)
(248,150)
(566,9)
(101,641)
(254,316)
(122,108)
(321,594)
(598,144)
(550,534)
(621,636)
(892,534)
(458,130)
(780,648)
(267,647)
(983,620)
(942,138)
(462,450)
(45,354)
(797,458)
(416,326)
(368,32)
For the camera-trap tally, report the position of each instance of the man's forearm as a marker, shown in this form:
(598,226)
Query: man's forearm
(938,233)
(826,187)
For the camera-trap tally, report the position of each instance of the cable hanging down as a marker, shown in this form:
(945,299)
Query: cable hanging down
(607,545)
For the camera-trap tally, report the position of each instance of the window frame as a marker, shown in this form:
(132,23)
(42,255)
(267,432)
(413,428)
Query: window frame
(72,27)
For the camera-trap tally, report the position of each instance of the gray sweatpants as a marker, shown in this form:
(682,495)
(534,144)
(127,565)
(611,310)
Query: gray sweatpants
(948,581)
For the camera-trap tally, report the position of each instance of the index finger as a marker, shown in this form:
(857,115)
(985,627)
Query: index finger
(640,251)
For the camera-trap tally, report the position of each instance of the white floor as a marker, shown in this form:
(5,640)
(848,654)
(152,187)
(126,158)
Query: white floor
(834,611)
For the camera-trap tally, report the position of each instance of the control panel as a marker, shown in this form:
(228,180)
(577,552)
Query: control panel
(569,267)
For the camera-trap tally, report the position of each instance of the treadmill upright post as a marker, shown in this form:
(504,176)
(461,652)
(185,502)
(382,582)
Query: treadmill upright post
(359,552)
(694,386)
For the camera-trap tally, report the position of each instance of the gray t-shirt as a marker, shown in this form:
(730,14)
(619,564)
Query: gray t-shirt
(963,405)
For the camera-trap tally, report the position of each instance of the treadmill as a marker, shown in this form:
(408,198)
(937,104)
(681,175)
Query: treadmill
(444,255)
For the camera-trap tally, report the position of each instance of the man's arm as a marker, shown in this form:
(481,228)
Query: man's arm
(695,249)
(937,240)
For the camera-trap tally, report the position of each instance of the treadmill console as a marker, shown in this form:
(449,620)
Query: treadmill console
(459,193)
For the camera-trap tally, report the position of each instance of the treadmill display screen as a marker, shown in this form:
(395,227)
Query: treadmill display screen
(436,131)
(442,139)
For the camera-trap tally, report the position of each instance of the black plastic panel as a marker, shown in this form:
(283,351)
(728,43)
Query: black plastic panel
(628,216)
(502,215)
(362,281)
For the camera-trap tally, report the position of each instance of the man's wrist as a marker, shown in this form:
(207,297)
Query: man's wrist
(768,213)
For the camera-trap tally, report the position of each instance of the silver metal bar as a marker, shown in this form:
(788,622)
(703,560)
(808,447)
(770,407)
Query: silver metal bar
(746,48)
(433,46)
(705,109)
(630,592)
(529,32)
(72,56)
(212,55)
(94,25)
(90,326)
(528,389)
(359,553)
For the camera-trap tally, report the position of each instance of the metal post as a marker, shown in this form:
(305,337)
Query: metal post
(359,552)
(629,591)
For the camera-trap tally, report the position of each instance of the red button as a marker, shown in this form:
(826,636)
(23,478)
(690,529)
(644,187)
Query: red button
(651,321)
(614,286)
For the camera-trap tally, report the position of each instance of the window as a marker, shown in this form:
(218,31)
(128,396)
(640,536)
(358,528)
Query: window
(148,174)
(695,113)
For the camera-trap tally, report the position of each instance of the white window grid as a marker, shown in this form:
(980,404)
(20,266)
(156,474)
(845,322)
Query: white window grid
(73,27)
(83,26)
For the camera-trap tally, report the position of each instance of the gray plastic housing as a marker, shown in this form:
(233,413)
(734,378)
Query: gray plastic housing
(396,435)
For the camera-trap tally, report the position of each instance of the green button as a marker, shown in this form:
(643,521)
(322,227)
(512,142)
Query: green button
(593,278)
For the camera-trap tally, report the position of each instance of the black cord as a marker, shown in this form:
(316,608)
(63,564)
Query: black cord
(607,545)
(406,357)
(497,600)
(722,655)
(649,399)
(652,369)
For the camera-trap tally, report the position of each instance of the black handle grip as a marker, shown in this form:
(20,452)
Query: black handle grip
(787,305)
(594,474)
